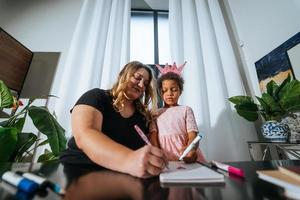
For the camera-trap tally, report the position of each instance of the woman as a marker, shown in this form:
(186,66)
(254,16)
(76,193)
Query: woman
(103,125)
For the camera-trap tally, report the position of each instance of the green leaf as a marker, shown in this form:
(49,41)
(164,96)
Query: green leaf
(271,88)
(4,123)
(263,104)
(270,102)
(19,123)
(248,115)
(43,143)
(6,98)
(240,99)
(247,110)
(291,90)
(294,108)
(245,107)
(46,157)
(8,141)
(25,141)
(48,125)
(278,91)
(290,102)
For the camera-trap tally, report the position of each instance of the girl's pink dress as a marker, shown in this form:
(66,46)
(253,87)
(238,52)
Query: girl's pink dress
(173,125)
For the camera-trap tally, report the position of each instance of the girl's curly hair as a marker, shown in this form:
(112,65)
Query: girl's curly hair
(170,76)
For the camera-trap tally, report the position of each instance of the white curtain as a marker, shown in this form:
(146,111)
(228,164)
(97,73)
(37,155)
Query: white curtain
(99,49)
(199,36)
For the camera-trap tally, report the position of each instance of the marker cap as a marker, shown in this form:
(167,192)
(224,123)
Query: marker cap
(28,186)
(236,171)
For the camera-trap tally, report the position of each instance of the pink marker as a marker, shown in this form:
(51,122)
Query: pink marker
(142,134)
(227,168)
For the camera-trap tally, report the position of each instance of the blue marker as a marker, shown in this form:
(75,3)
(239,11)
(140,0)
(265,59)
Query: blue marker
(43,182)
(20,182)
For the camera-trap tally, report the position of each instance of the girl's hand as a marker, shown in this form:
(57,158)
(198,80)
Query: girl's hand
(146,162)
(191,156)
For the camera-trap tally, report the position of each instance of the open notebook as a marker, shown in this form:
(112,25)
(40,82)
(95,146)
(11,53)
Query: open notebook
(179,172)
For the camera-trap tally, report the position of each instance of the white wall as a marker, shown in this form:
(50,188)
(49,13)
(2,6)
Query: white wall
(261,26)
(45,25)
(294,55)
(42,26)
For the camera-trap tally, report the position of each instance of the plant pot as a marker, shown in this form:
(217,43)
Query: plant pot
(274,131)
(293,121)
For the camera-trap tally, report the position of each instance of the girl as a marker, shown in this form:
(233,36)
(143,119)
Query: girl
(175,126)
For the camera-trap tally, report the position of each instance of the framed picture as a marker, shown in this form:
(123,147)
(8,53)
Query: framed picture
(277,64)
(15,60)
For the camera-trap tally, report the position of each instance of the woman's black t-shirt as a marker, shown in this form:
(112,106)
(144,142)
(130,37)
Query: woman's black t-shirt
(115,126)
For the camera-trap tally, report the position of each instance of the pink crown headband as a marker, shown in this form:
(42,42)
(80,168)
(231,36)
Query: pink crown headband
(171,68)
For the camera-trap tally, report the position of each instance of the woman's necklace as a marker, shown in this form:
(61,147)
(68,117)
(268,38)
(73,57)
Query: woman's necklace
(128,108)
(127,111)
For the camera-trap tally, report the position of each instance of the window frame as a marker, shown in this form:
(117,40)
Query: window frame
(155,33)
(156,49)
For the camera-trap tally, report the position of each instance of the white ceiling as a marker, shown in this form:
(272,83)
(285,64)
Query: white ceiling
(150,4)
(158,4)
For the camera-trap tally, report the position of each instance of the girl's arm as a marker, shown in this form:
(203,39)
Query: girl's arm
(191,125)
(154,138)
(87,129)
(153,134)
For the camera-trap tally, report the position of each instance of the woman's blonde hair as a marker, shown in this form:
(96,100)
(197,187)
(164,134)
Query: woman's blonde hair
(142,103)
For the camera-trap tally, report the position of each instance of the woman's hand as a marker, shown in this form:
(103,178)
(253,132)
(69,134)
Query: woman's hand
(146,162)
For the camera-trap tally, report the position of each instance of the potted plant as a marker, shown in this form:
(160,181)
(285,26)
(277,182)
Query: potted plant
(276,103)
(15,145)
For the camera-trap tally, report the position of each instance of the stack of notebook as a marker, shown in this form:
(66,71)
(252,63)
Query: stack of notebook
(285,177)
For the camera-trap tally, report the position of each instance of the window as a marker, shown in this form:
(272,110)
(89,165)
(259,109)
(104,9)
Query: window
(163,38)
(149,37)
(142,37)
